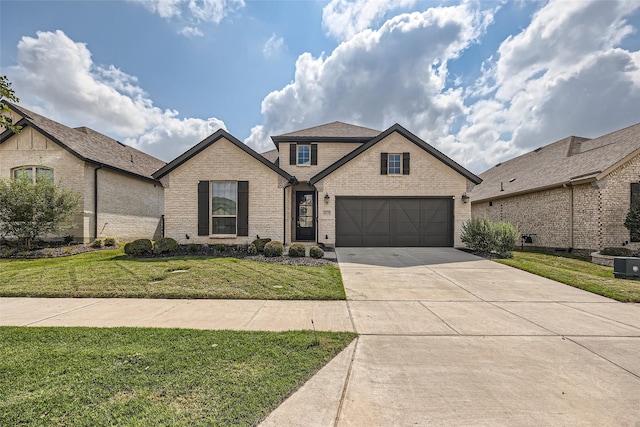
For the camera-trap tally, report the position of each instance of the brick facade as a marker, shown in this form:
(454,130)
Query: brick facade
(223,161)
(128,207)
(328,153)
(588,216)
(361,177)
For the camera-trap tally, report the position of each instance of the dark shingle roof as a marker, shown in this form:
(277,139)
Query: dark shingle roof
(330,132)
(89,145)
(411,137)
(570,160)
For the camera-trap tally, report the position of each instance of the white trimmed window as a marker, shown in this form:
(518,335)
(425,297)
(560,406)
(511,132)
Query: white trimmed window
(224,207)
(35,173)
(304,155)
(394,164)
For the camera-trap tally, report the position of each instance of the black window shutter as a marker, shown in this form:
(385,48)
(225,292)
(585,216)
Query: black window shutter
(243,208)
(383,163)
(292,154)
(635,193)
(203,208)
(405,163)
(314,154)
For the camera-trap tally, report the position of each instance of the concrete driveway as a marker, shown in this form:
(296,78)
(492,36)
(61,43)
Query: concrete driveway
(451,339)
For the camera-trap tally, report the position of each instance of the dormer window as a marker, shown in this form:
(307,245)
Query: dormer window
(34,173)
(304,155)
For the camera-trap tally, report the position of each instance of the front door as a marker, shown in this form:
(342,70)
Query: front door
(305,216)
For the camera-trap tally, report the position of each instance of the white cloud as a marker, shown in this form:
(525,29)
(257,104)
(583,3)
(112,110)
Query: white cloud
(345,18)
(191,32)
(57,77)
(273,46)
(394,74)
(192,13)
(565,74)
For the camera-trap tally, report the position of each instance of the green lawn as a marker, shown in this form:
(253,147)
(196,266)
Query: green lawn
(152,377)
(577,273)
(109,273)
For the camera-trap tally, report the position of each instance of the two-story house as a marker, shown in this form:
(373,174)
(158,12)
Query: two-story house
(335,185)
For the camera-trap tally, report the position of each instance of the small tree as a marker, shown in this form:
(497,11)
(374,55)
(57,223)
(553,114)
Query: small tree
(29,210)
(7,93)
(632,222)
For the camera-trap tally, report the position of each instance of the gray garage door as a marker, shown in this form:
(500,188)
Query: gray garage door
(390,221)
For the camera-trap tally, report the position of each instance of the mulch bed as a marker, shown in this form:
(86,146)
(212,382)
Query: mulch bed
(486,255)
(55,251)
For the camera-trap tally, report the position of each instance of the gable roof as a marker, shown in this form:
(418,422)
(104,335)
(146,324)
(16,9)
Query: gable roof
(408,135)
(89,145)
(329,132)
(212,139)
(271,155)
(571,160)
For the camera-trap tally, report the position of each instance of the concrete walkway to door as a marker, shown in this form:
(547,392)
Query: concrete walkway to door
(448,338)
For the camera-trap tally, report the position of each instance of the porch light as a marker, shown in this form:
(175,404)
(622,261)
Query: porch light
(465,198)
(326,198)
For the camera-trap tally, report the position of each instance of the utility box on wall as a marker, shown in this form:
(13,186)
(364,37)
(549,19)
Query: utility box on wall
(626,268)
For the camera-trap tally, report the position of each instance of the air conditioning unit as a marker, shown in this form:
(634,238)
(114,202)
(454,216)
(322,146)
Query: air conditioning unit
(626,268)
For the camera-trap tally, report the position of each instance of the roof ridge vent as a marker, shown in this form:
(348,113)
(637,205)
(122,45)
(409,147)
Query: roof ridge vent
(537,150)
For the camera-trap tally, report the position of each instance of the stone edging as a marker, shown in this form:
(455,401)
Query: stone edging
(598,258)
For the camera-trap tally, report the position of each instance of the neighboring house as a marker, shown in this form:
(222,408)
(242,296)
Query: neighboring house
(573,194)
(335,185)
(120,198)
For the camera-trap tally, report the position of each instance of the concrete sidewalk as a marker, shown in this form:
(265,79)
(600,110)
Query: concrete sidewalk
(175,313)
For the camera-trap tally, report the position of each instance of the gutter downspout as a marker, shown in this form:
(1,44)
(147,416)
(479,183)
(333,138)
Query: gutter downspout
(95,201)
(284,213)
(571,220)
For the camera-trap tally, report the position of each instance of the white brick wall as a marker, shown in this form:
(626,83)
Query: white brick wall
(223,161)
(30,148)
(328,153)
(361,177)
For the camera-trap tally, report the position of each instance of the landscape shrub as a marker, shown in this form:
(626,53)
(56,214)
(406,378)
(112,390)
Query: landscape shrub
(165,245)
(297,250)
(109,241)
(193,248)
(273,249)
(68,239)
(316,252)
(221,248)
(505,237)
(260,243)
(138,247)
(478,234)
(96,244)
(616,252)
(252,250)
(482,235)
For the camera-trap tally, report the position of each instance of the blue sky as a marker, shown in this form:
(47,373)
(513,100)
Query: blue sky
(482,81)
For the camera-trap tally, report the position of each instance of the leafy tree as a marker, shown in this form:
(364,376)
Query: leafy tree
(632,222)
(6,93)
(29,210)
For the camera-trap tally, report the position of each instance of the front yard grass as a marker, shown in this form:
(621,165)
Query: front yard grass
(577,273)
(136,376)
(109,273)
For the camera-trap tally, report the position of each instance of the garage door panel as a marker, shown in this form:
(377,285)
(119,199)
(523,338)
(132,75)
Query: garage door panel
(389,221)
